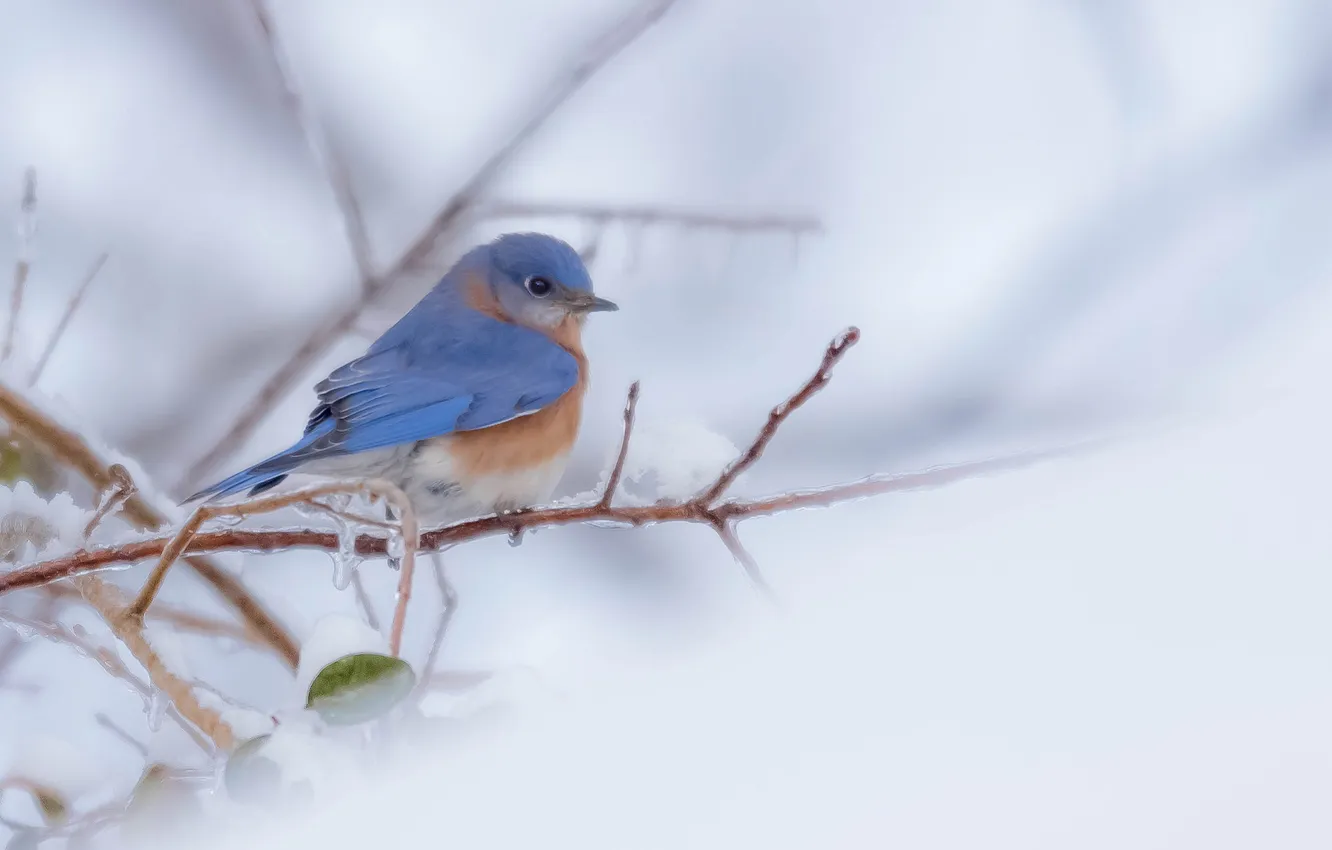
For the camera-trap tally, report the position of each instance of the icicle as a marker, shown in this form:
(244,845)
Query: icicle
(396,546)
(516,536)
(156,710)
(345,559)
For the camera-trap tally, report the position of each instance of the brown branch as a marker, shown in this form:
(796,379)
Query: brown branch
(109,602)
(779,414)
(718,514)
(617,470)
(71,450)
(178,618)
(23,262)
(647,215)
(444,227)
(71,308)
(326,155)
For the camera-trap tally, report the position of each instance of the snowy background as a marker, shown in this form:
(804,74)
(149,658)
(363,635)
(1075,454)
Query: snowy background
(1051,219)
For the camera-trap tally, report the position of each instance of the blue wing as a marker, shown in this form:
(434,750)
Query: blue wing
(437,371)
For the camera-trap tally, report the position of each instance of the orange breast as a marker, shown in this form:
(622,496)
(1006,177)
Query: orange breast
(530,440)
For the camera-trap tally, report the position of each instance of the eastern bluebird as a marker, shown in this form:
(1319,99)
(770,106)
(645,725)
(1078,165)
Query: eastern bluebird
(471,402)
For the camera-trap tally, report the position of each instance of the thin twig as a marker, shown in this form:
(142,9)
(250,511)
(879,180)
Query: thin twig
(27,227)
(835,352)
(321,146)
(363,601)
(11,651)
(71,450)
(109,602)
(110,725)
(617,470)
(448,600)
(715,514)
(65,318)
(122,487)
(108,660)
(726,531)
(444,227)
(648,215)
(178,618)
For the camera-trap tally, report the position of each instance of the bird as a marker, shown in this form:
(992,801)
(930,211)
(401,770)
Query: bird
(471,402)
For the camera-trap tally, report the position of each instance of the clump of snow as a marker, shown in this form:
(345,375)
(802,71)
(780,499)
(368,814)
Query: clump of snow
(334,636)
(31,525)
(56,765)
(304,755)
(672,458)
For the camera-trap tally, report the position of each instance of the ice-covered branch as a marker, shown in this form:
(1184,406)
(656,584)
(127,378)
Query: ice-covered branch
(710,507)
(456,214)
(74,452)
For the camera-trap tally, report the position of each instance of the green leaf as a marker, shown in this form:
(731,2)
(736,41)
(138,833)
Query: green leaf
(160,805)
(359,687)
(250,776)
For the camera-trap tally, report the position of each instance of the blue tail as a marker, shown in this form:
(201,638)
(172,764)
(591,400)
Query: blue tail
(267,473)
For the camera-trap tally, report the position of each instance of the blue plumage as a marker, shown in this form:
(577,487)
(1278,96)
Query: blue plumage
(448,366)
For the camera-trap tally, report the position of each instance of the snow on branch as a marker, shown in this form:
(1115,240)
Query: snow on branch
(74,452)
(710,506)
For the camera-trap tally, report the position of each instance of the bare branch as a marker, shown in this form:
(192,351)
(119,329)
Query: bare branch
(77,640)
(334,167)
(178,618)
(14,649)
(71,450)
(108,601)
(715,512)
(363,600)
(647,215)
(444,227)
(613,482)
(835,352)
(738,551)
(65,318)
(110,725)
(448,600)
(23,263)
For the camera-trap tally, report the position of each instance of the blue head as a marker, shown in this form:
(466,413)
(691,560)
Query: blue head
(531,279)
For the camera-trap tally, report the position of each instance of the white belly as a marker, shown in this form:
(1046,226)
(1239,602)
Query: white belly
(441,493)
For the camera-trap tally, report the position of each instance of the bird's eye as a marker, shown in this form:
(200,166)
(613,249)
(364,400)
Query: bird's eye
(539,287)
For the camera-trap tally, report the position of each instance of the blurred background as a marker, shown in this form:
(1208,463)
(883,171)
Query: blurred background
(1051,219)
